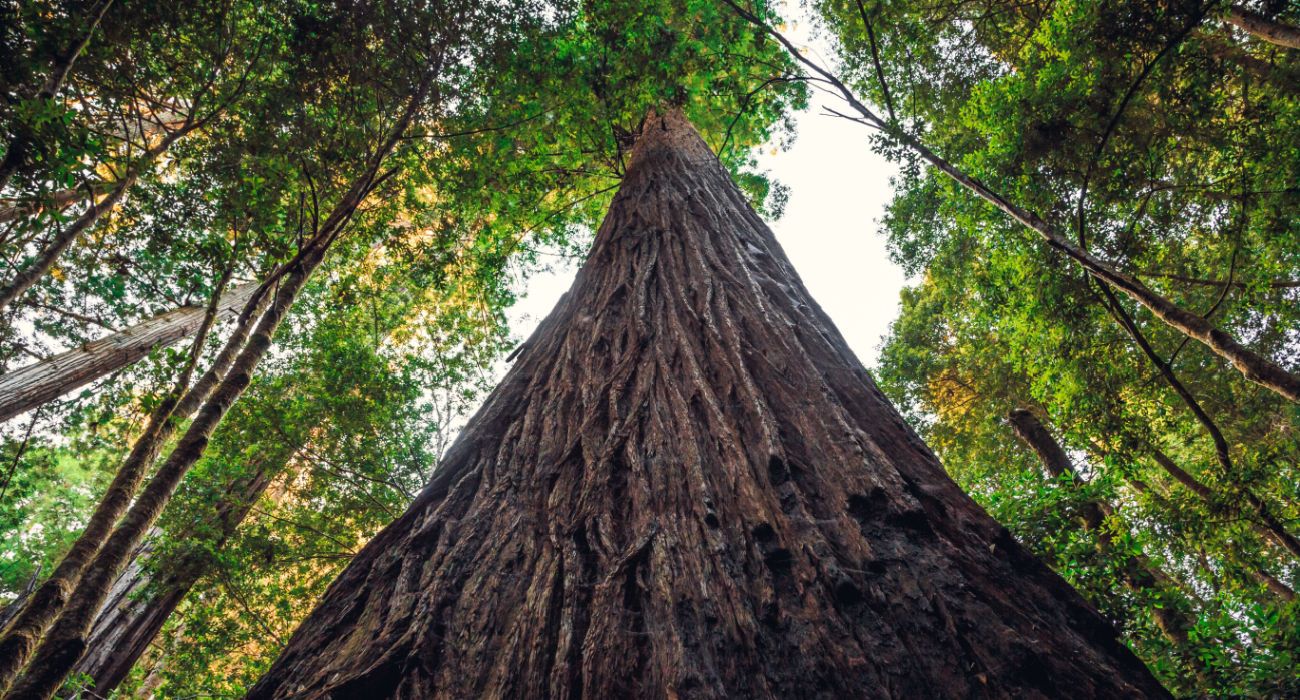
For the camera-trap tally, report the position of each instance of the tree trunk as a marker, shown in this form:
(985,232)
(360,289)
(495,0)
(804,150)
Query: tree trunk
(141,601)
(57,200)
(40,610)
(16,150)
(1138,573)
(138,605)
(1275,76)
(1253,366)
(121,608)
(687,486)
(1269,581)
(28,387)
(1261,27)
(62,240)
(65,642)
(1254,512)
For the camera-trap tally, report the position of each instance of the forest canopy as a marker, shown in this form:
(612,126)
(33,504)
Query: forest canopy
(256,257)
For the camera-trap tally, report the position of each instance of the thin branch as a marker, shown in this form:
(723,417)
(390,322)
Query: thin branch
(875,60)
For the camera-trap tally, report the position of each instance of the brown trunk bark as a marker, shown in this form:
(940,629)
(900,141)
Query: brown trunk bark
(22,635)
(138,606)
(28,387)
(64,644)
(1261,27)
(1038,438)
(119,608)
(58,201)
(1138,573)
(688,487)
(1057,464)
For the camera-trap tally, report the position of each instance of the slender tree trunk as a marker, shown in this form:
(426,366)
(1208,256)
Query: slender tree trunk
(1252,510)
(1139,574)
(65,642)
(688,487)
(1261,27)
(15,606)
(63,645)
(16,151)
(28,387)
(46,258)
(57,200)
(138,606)
(24,632)
(1273,75)
(1271,582)
(141,602)
(120,607)
(1252,365)
(1038,438)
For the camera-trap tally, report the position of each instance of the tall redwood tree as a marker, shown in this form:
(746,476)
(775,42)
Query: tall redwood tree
(688,486)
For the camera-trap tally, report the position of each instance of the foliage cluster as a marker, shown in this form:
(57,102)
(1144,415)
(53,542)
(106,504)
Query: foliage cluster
(1162,138)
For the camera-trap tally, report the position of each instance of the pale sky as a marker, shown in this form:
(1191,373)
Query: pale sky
(838,191)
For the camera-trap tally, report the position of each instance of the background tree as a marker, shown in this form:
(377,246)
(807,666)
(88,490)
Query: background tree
(1155,137)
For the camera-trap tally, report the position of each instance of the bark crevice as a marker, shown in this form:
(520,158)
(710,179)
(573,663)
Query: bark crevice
(688,487)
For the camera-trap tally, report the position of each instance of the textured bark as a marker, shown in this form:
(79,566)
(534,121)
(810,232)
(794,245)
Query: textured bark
(1261,27)
(119,609)
(1138,573)
(688,487)
(138,605)
(65,641)
(28,387)
(141,601)
(21,636)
